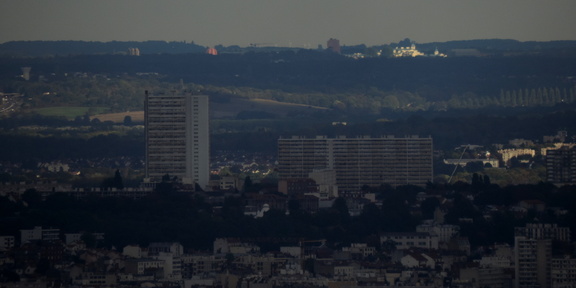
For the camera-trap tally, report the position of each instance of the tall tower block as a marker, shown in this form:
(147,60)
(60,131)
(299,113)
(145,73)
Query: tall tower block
(177,137)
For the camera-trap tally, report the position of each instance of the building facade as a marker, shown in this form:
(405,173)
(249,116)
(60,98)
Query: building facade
(533,253)
(358,161)
(561,165)
(544,231)
(408,240)
(533,262)
(177,137)
(563,272)
(7,243)
(38,233)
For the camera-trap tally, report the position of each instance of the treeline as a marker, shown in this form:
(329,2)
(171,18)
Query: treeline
(34,149)
(448,129)
(126,94)
(189,219)
(53,48)
(116,94)
(514,98)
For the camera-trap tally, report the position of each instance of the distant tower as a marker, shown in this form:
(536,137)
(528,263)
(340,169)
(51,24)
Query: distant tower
(212,51)
(26,72)
(334,45)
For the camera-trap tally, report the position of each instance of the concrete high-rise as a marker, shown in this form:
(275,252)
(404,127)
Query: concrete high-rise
(532,259)
(177,137)
(358,161)
(561,165)
(533,253)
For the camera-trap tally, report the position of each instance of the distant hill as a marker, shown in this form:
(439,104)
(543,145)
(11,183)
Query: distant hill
(62,48)
(503,46)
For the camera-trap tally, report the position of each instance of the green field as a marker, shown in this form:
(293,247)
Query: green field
(70,112)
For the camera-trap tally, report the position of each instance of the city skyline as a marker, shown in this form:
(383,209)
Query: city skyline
(286,23)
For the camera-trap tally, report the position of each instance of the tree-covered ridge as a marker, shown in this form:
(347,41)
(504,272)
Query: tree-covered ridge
(119,94)
(303,77)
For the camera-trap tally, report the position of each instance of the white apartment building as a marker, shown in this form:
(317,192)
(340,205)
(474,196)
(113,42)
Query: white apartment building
(174,248)
(177,137)
(495,261)
(544,231)
(358,161)
(407,240)
(133,251)
(172,266)
(70,238)
(485,277)
(508,154)
(7,242)
(143,265)
(39,233)
(360,248)
(234,246)
(90,279)
(445,232)
(196,265)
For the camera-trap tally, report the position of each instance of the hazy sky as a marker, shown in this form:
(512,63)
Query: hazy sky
(299,23)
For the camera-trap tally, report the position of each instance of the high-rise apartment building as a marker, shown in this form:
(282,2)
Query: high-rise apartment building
(561,165)
(563,271)
(533,253)
(533,262)
(177,137)
(358,161)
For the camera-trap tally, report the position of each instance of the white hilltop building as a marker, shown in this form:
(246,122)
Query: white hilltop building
(406,51)
(413,52)
(438,54)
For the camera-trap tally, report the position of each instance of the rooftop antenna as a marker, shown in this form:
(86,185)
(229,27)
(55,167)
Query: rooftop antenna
(458,163)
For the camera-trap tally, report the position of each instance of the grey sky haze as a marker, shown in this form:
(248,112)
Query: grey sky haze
(297,23)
